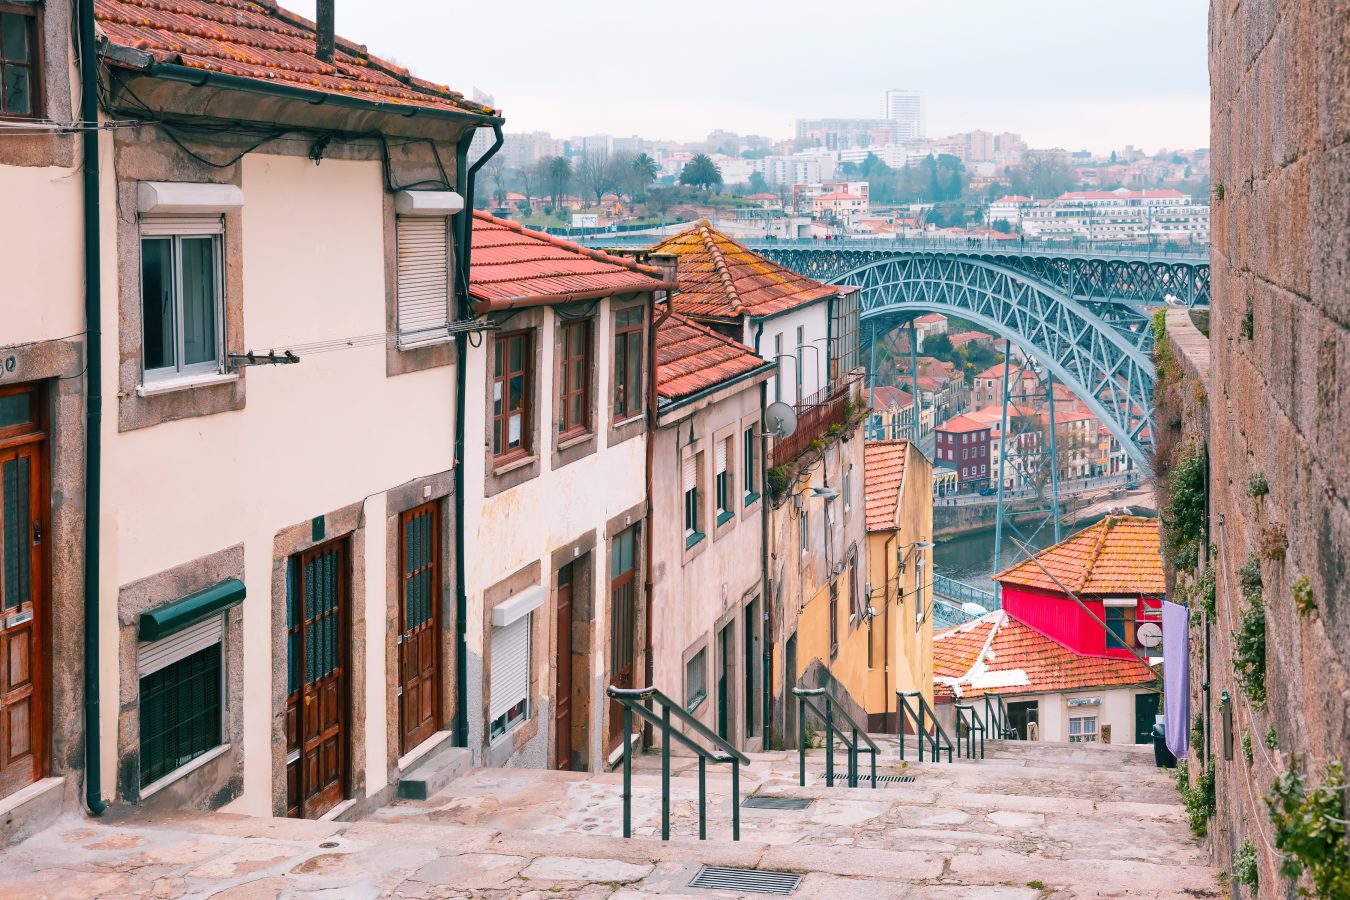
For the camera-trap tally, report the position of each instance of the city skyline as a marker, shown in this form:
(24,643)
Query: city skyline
(1057,86)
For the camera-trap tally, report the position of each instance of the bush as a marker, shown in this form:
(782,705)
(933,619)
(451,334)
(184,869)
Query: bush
(1304,601)
(1310,829)
(1249,650)
(1247,745)
(778,480)
(1257,486)
(1244,866)
(1184,517)
(1198,799)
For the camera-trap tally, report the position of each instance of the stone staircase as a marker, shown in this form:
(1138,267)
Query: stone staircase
(1029,821)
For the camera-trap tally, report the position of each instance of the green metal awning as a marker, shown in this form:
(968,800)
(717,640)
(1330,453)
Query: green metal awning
(176,615)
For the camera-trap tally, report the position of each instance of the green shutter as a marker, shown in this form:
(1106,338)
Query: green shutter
(176,615)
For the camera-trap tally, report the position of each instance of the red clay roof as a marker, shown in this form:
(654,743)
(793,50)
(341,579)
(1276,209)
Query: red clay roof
(958,424)
(962,337)
(1022,661)
(512,266)
(720,278)
(883,473)
(258,39)
(887,397)
(1118,555)
(691,357)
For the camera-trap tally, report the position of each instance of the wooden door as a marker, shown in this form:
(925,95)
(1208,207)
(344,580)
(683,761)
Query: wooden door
(725,644)
(23,582)
(623,620)
(419,616)
(317,759)
(562,689)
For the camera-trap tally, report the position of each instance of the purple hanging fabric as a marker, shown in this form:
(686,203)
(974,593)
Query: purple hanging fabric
(1176,621)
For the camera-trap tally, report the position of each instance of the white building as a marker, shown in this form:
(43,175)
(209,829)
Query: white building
(1119,215)
(905,109)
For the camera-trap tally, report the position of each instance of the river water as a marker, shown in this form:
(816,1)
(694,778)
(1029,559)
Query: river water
(970,557)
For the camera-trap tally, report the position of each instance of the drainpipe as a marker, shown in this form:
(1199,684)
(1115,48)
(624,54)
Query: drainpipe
(464,178)
(649,662)
(93,338)
(766,583)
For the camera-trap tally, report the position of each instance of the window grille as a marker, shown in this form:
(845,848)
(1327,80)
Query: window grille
(180,712)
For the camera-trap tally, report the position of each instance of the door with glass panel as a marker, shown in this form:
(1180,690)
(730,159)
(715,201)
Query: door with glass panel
(623,620)
(316,705)
(419,616)
(23,589)
(562,687)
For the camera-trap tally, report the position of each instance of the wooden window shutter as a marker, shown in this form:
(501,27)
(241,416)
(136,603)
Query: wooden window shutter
(423,280)
(509,669)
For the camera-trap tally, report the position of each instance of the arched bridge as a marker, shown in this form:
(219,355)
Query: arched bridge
(1082,312)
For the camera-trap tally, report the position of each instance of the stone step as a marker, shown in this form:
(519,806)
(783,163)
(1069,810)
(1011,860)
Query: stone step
(26,812)
(432,773)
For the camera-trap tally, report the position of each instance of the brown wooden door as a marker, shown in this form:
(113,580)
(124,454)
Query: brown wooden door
(562,689)
(419,615)
(623,594)
(22,596)
(316,771)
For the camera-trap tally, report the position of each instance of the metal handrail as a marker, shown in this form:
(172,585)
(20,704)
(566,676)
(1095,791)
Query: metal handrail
(996,717)
(966,715)
(632,700)
(804,701)
(936,740)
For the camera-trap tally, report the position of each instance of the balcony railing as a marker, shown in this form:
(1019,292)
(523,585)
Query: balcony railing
(816,415)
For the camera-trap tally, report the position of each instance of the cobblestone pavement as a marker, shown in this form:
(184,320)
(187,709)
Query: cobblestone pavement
(1030,821)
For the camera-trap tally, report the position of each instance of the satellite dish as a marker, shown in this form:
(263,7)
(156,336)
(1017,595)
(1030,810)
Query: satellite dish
(780,419)
(1149,634)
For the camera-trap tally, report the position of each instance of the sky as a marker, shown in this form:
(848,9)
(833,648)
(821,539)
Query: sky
(1062,73)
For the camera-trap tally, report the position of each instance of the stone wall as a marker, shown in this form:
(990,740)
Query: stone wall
(1279,403)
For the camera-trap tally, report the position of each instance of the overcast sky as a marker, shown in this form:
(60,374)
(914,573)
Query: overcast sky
(1067,73)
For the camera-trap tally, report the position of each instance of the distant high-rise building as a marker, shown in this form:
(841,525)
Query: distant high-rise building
(905,110)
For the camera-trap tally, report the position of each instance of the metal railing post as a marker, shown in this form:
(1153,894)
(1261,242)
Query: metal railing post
(735,799)
(923,732)
(853,761)
(874,769)
(665,772)
(829,743)
(702,799)
(902,716)
(627,772)
(801,741)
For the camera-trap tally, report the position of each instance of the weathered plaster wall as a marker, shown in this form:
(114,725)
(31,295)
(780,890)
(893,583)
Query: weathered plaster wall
(1280,117)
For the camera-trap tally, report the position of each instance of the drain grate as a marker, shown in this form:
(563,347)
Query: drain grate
(775,803)
(865,781)
(748,881)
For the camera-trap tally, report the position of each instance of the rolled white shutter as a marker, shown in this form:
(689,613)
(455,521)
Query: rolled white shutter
(156,655)
(689,472)
(423,280)
(510,668)
(162,225)
(721,456)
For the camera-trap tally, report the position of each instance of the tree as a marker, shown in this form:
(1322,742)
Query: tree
(758,183)
(1043,175)
(596,174)
(642,174)
(557,174)
(1002,226)
(701,172)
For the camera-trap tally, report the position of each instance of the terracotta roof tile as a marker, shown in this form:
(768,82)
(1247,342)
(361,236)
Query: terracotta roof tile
(886,396)
(258,39)
(958,424)
(512,266)
(1118,555)
(883,473)
(1022,661)
(720,278)
(691,357)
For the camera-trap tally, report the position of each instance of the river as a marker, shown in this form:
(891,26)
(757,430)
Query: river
(970,557)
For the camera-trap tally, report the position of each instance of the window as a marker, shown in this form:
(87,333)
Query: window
(509,675)
(696,680)
(855,597)
(19,68)
(423,280)
(181,292)
(623,600)
(574,379)
(778,362)
(628,364)
(511,394)
(723,481)
(748,475)
(834,618)
(805,535)
(689,470)
(801,341)
(1082,729)
(848,490)
(180,702)
(1120,623)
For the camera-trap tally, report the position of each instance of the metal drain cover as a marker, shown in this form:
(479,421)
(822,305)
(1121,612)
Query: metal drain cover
(747,881)
(775,803)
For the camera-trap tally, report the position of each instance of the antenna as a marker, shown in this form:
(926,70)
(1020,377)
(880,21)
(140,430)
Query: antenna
(780,419)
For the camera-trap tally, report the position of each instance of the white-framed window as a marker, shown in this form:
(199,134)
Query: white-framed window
(848,488)
(182,296)
(749,465)
(804,532)
(181,702)
(722,484)
(778,363)
(423,246)
(509,674)
(696,680)
(689,477)
(1082,729)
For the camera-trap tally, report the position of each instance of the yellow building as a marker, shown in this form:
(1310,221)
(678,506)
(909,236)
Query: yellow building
(882,642)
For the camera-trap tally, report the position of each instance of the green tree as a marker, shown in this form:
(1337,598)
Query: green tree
(558,176)
(1043,175)
(642,174)
(1002,226)
(758,183)
(701,172)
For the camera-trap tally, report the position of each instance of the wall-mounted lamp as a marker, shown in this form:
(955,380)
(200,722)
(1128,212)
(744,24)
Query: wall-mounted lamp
(826,492)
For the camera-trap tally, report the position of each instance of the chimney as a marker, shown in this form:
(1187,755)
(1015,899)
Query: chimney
(324,33)
(667,263)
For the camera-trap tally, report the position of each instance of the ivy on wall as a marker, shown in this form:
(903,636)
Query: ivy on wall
(1310,829)
(1198,798)
(1249,640)
(1184,516)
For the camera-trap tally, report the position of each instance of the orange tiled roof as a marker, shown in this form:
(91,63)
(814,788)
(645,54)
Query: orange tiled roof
(691,357)
(958,424)
(1118,555)
(962,337)
(720,278)
(886,396)
(998,653)
(512,266)
(883,473)
(258,39)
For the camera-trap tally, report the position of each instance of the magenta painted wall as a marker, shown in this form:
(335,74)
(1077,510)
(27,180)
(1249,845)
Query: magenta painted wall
(1057,616)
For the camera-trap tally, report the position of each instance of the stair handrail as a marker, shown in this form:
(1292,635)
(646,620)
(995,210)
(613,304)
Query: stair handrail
(804,700)
(965,713)
(936,740)
(633,700)
(996,716)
